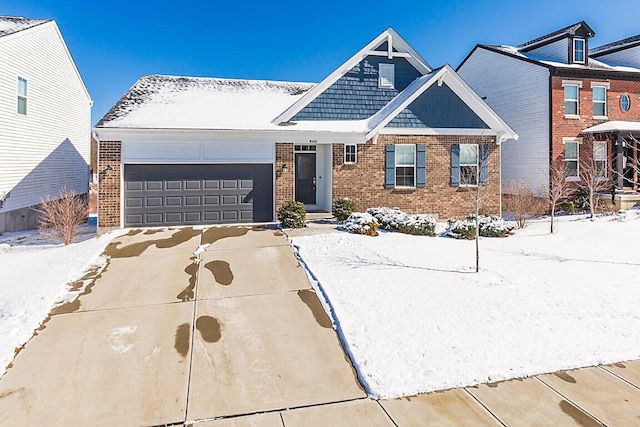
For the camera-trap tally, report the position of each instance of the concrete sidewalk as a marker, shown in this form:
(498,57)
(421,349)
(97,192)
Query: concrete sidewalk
(234,336)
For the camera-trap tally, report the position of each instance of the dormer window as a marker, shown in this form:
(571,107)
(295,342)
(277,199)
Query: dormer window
(579,51)
(386,76)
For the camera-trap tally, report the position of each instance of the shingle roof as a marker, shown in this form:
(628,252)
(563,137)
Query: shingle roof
(13,24)
(613,46)
(570,30)
(160,102)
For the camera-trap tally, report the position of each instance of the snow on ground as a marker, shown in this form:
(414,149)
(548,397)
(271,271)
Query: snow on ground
(34,275)
(416,317)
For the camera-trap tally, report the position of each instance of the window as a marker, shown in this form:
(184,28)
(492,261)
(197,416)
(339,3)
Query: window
(571,100)
(22,96)
(571,159)
(599,101)
(350,153)
(625,102)
(405,165)
(600,158)
(304,148)
(468,164)
(578,50)
(386,76)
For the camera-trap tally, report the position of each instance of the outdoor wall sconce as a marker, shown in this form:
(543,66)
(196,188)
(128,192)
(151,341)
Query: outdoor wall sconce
(285,167)
(108,170)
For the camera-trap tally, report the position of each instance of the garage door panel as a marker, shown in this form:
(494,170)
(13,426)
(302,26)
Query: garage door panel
(197,194)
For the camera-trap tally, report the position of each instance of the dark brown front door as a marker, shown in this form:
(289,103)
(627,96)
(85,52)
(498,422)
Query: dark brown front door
(306,178)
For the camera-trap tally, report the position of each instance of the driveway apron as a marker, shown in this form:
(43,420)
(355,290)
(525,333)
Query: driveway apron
(167,333)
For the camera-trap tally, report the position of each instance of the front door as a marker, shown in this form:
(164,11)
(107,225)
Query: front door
(305,178)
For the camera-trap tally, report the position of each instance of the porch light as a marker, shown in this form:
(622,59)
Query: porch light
(108,170)
(285,167)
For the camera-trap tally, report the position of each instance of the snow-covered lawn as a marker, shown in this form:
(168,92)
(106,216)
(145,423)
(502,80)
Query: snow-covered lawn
(416,318)
(35,273)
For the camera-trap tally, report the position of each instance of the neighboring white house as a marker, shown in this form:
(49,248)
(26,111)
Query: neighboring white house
(45,120)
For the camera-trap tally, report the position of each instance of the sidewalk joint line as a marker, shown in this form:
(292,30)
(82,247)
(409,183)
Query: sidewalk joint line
(484,406)
(385,411)
(596,419)
(604,368)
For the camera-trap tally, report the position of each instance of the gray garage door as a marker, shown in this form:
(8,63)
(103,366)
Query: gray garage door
(158,195)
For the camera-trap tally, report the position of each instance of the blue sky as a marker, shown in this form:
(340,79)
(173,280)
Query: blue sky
(115,42)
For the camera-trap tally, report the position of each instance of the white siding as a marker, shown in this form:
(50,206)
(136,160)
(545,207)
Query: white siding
(197,152)
(556,51)
(48,149)
(519,92)
(628,57)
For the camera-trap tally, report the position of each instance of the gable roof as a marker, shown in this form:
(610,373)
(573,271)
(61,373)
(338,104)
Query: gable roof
(174,102)
(396,46)
(447,75)
(571,30)
(615,46)
(13,24)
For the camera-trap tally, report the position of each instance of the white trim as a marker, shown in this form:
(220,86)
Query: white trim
(464,92)
(578,141)
(566,84)
(355,154)
(401,45)
(601,84)
(572,83)
(415,166)
(594,102)
(438,131)
(584,50)
(381,53)
(386,76)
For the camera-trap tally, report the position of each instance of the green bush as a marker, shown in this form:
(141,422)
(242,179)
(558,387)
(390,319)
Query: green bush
(489,225)
(292,214)
(361,223)
(578,203)
(342,208)
(395,220)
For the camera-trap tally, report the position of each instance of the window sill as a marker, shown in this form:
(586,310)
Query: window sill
(600,118)
(350,163)
(571,116)
(572,178)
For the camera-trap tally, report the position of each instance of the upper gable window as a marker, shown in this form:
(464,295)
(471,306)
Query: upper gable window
(578,51)
(22,96)
(386,76)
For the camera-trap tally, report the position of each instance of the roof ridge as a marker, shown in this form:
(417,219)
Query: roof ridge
(206,78)
(563,31)
(615,44)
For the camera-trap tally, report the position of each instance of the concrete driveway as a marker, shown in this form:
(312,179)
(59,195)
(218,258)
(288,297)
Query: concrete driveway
(164,335)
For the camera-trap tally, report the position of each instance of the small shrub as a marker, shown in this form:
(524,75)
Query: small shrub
(361,223)
(523,203)
(292,214)
(489,226)
(394,219)
(61,217)
(342,208)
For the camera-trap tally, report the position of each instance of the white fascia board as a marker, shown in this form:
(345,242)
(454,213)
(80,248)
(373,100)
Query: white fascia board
(415,60)
(26,31)
(267,137)
(438,131)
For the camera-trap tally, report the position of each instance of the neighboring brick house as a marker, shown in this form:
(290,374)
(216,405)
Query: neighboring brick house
(45,120)
(565,101)
(385,129)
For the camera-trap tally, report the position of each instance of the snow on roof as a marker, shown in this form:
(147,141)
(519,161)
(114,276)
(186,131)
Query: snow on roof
(570,30)
(613,126)
(617,45)
(13,24)
(171,102)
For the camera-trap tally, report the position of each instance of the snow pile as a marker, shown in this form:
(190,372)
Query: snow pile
(416,318)
(394,219)
(489,226)
(360,223)
(34,273)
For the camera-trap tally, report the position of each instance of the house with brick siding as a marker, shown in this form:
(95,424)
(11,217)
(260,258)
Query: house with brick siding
(568,102)
(45,120)
(384,129)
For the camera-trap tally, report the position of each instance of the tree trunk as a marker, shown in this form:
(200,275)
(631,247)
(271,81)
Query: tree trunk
(553,212)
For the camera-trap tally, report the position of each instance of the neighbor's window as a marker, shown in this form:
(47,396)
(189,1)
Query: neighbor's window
(599,101)
(405,165)
(571,100)
(578,50)
(350,151)
(468,164)
(22,96)
(571,159)
(600,158)
(386,76)
(625,102)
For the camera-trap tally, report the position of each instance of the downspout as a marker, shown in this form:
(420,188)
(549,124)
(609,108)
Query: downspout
(550,114)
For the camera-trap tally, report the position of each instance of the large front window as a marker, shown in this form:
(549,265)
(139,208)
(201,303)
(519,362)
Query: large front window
(571,100)
(600,158)
(405,165)
(571,159)
(469,164)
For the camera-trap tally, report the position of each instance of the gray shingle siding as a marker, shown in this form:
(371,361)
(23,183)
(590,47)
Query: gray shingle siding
(438,107)
(356,96)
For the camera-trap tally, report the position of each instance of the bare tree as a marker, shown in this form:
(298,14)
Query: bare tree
(61,217)
(523,203)
(559,188)
(594,177)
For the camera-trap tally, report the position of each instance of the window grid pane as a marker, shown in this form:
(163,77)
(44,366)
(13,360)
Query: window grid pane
(571,159)
(22,87)
(468,154)
(578,50)
(405,176)
(405,155)
(571,99)
(22,105)
(469,175)
(350,153)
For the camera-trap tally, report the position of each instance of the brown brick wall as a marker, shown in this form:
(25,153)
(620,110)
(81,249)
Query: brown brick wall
(364,182)
(109,154)
(284,180)
(570,127)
